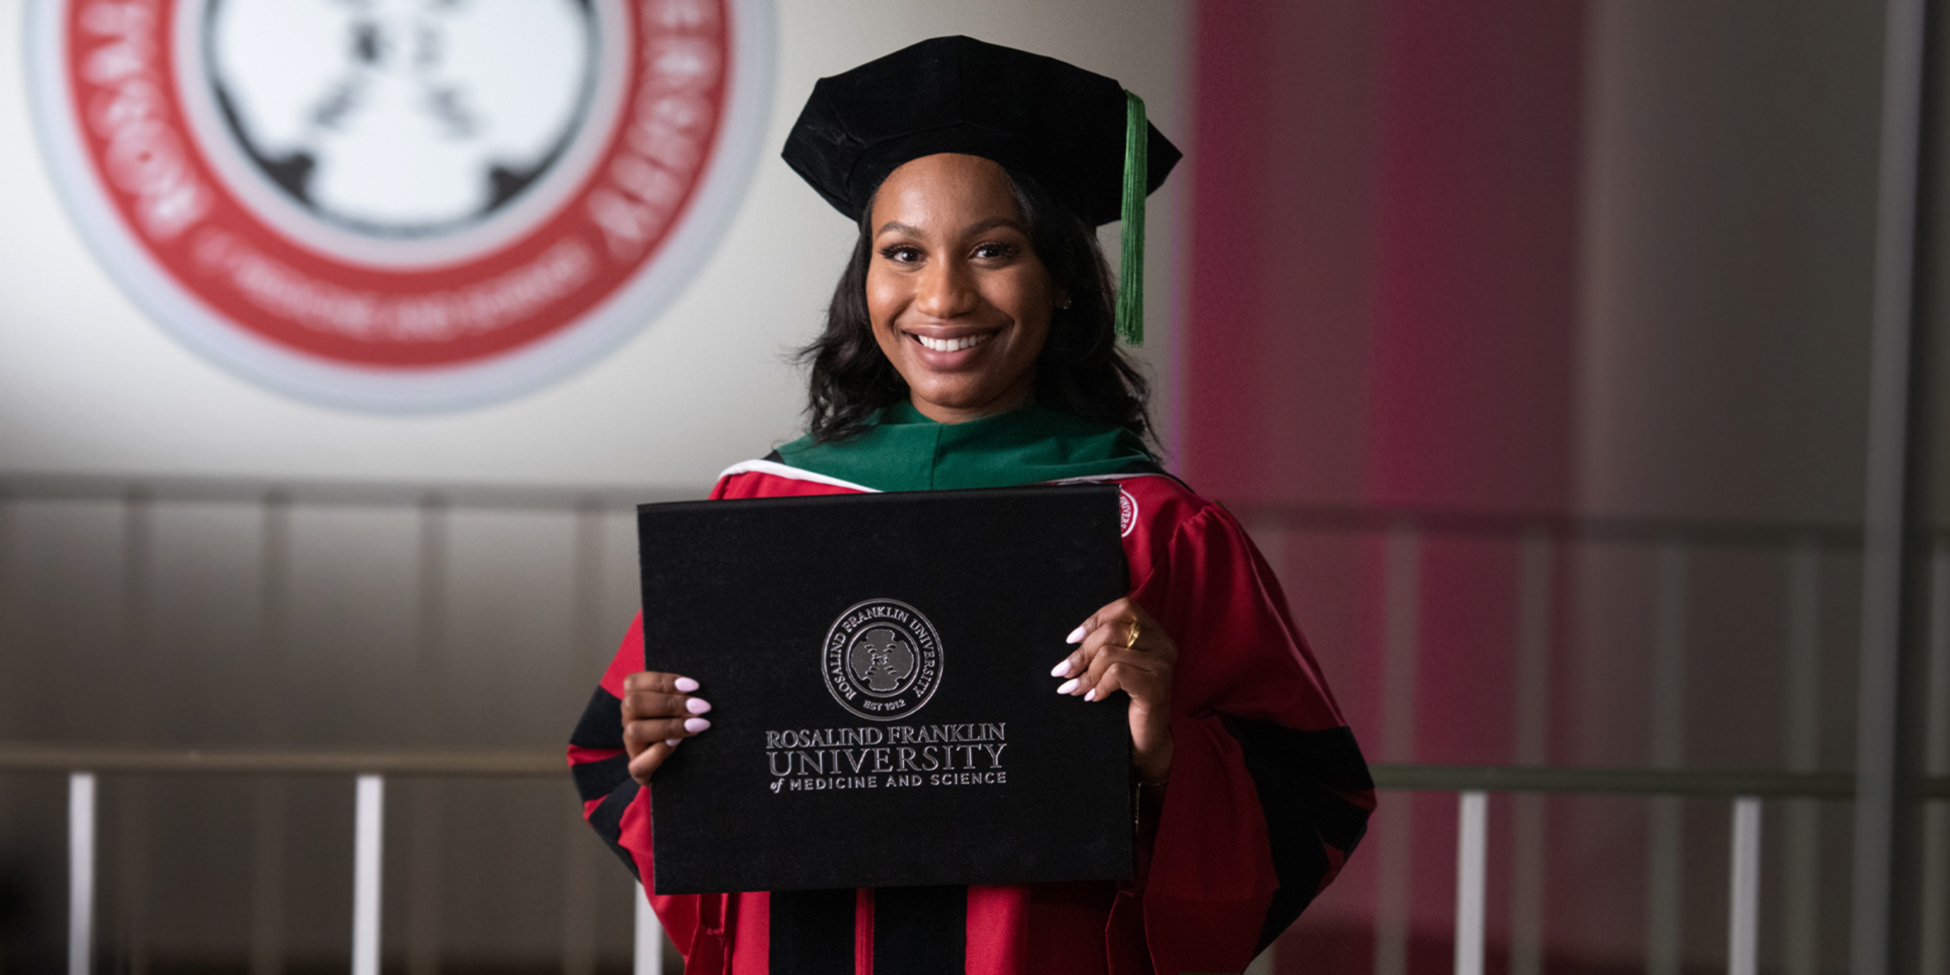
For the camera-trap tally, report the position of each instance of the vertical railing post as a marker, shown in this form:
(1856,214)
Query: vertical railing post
(1472,880)
(1935,907)
(268,802)
(424,802)
(81,872)
(1800,881)
(368,845)
(135,715)
(1527,832)
(1743,910)
(1401,642)
(1665,857)
(649,937)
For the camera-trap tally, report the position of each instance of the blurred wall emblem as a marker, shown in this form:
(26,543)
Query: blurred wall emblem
(402,204)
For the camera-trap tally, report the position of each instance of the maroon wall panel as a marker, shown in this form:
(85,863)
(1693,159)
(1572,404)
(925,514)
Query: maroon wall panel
(1383,299)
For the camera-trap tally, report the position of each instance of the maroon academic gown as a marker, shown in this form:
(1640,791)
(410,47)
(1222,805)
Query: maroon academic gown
(1268,794)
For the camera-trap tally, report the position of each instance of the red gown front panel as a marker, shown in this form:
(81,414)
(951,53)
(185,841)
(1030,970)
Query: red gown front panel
(1252,720)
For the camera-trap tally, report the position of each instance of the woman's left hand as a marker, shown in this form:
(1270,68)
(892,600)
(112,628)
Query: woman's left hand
(1121,648)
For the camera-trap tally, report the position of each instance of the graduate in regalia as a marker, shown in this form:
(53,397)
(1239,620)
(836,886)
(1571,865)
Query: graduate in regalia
(972,342)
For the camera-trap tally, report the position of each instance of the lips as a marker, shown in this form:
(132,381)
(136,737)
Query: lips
(955,344)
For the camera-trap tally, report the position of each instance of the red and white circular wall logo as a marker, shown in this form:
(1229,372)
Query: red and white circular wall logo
(402,205)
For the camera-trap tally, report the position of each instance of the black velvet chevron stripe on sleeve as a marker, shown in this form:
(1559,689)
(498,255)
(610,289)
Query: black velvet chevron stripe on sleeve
(597,779)
(608,821)
(601,725)
(1302,778)
(608,779)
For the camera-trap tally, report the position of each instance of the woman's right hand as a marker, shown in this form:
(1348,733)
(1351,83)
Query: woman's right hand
(658,712)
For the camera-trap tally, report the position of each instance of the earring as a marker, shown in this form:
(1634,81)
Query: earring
(1064,305)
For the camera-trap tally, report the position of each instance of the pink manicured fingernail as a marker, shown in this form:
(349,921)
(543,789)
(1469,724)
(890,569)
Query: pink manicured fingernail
(1090,695)
(1076,636)
(697,705)
(1062,669)
(1069,685)
(695,725)
(686,685)
(672,742)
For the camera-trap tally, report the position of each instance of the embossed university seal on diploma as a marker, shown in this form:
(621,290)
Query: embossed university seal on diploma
(882,659)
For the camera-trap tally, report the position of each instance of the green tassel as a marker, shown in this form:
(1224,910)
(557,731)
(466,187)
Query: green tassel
(1130,281)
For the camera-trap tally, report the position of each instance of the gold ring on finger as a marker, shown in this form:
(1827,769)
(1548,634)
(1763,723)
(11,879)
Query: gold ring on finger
(1131,635)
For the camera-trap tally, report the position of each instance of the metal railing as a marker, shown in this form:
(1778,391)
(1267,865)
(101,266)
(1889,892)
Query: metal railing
(1542,540)
(138,504)
(1545,540)
(1747,789)
(369,771)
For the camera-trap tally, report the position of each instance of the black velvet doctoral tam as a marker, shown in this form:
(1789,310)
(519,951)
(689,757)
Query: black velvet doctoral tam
(1056,122)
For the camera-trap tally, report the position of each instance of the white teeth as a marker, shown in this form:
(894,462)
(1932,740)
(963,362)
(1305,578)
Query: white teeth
(955,345)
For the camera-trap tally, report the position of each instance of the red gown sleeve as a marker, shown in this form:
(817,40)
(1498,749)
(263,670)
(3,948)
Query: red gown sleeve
(619,810)
(1268,791)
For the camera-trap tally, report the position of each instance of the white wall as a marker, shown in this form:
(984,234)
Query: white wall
(89,385)
(385,623)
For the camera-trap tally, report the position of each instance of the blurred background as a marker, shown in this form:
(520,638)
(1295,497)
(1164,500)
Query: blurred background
(1532,339)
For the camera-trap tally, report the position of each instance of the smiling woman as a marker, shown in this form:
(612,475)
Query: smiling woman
(971,343)
(960,302)
(997,246)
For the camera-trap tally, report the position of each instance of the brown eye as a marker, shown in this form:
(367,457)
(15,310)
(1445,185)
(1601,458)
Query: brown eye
(900,254)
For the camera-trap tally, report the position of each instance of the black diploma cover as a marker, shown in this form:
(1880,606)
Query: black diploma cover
(883,713)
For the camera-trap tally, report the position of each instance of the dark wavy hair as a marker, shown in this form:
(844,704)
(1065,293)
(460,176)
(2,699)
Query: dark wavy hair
(1081,371)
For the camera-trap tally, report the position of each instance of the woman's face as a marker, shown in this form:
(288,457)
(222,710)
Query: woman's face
(959,300)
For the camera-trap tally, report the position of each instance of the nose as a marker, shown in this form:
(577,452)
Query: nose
(946,290)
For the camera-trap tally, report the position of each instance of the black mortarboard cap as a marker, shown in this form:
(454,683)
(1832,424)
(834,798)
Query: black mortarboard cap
(1058,123)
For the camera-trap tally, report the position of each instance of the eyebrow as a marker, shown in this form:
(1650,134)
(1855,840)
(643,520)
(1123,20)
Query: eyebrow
(981,227)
